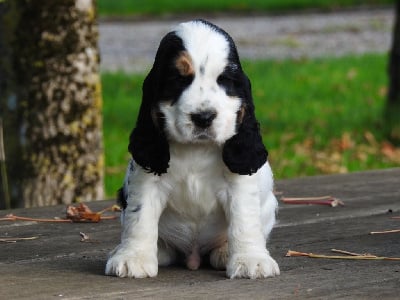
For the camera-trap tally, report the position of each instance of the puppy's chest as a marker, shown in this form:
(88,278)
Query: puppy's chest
(197,181)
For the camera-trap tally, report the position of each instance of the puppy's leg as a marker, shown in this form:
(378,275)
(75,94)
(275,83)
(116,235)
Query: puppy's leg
(136,255)
(248,256)
(166,254)
(219,257)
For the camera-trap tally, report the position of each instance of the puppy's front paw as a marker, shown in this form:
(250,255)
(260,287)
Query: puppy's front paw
(128,262)
(252,265)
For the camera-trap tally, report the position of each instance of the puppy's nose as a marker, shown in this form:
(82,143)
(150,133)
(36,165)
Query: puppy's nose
(203,119)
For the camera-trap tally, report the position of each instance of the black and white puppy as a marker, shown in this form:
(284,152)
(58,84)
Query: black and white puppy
(199,183)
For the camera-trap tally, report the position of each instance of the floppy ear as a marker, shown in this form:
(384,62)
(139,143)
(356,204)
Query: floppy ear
(244,153)
(148,144)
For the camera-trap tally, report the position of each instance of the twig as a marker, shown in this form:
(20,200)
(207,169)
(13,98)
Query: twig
(352,253)
(385,231)
(108,217)
(14,240)
(11,217)
(323,200)
(112,208)
(82,213)
(291,253)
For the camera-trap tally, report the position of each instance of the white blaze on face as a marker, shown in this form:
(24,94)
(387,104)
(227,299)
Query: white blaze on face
(205,58)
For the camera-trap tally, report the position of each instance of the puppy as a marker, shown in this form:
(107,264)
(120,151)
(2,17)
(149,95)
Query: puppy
(199,184)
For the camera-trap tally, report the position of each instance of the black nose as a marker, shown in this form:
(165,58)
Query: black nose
(203,119)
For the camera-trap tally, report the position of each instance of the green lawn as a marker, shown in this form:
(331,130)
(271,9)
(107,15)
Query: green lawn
(166,7)
(317,116)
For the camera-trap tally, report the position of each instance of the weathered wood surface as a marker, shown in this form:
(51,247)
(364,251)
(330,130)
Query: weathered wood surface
(58,265)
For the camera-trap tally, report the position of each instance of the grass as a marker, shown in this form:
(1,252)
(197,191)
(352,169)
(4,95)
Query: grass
(166,7)
(317,116)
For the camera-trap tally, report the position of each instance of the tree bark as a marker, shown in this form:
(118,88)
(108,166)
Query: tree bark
(51,106)
(392,112)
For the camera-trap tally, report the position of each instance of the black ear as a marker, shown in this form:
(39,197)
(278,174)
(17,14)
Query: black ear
(244,153)
(147,143)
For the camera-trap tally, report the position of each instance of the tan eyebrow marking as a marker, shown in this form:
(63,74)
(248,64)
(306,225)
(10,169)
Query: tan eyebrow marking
(184,64)
(241,114)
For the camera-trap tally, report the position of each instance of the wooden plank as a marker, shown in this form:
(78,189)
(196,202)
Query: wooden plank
(57,263)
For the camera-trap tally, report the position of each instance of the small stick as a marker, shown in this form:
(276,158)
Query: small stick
(351,253)
(11,217)
(14,240)
(291,253)
(308,198)
(385,231)
(323,200)
(111,208)
(108,217)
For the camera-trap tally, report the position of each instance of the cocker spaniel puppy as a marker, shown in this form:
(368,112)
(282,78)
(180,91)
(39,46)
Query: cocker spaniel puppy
(199,184)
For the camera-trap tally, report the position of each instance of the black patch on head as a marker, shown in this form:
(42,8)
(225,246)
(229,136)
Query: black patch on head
(231,80)
(148,143)
(169,83)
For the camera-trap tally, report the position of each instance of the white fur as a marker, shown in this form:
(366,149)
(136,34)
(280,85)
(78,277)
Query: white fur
(208,51)
(198,207)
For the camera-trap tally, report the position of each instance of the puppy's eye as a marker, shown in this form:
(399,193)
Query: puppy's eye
(175,77)
(224,80)
(228,83)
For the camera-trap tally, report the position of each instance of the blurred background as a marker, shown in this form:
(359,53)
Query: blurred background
(318,69)
(325,79)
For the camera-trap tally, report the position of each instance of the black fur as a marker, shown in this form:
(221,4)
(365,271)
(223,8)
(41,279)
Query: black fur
(148,144)
(245,153)
(121,198)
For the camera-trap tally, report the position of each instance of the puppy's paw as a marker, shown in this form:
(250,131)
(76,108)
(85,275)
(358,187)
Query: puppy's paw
(128,262)
(219,257)
(252,265)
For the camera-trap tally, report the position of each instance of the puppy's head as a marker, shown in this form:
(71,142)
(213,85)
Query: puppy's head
(197,92)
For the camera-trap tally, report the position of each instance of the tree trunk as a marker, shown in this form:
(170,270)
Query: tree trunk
(51,103)
(392,115)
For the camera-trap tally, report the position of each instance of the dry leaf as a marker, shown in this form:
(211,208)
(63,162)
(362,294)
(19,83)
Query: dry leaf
(79,213)
(82,213)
